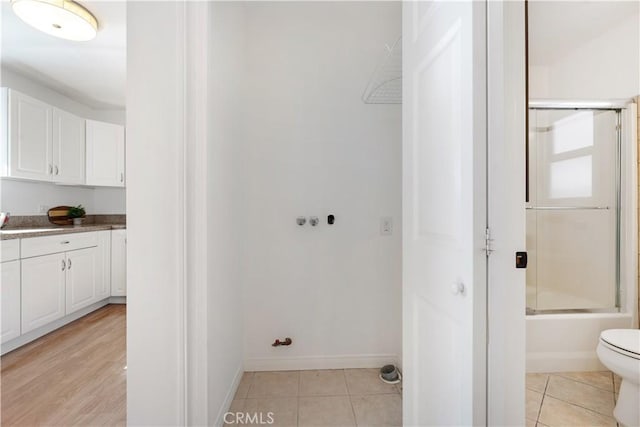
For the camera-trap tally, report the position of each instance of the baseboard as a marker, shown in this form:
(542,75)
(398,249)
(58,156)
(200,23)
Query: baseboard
(577,361)
(50,327)
(320,362)
(117,300)
(229,398)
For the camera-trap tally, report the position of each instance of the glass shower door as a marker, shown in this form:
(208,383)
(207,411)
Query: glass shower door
(572,214)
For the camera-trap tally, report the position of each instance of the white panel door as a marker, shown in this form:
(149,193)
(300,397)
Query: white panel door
(30,154)
(43,289)
(10,294)
(81,278)
(68,148)
(119,263)
(105,154)
(444,213)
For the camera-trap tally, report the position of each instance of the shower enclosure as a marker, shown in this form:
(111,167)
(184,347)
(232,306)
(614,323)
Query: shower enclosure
(573,207)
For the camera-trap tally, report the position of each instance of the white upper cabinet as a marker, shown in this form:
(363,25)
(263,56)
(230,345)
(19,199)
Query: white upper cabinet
(29,135)
(44,143)
(105,154)
(68,148)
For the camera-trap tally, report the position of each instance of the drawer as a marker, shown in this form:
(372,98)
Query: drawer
(36,246)
(9,250)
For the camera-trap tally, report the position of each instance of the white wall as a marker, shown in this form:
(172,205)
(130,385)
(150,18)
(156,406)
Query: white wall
(14,80)
(155,227)
(24,198)
(605,67)
(312,147)
(224,227)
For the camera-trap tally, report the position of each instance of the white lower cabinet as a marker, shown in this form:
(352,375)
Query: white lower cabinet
(119,263)
(43,290)
(103,271)
(82,277)
(47,278)
(10,295)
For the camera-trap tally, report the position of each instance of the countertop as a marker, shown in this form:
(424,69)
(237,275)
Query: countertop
(9,233)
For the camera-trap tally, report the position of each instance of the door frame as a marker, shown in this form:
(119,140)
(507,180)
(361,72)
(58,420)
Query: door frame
(506,285)
(505,294)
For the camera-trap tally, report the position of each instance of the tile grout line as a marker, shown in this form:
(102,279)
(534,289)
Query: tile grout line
(253,377)
(582,382)
(346,383)
(577,404)
(298,400)
(583,407)
(353,411)
(613,384)
(544,393)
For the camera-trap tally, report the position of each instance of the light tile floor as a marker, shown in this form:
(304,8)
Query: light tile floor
(341,397)
(571,399)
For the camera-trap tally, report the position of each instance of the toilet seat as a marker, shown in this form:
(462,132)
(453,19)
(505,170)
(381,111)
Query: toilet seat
(623,341)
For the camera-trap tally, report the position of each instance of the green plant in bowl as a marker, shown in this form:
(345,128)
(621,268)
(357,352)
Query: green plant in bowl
(77,212)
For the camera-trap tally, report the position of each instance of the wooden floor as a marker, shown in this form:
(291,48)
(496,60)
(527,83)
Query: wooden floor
(73,376)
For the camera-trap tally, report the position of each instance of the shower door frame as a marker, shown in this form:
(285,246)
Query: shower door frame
(624,109)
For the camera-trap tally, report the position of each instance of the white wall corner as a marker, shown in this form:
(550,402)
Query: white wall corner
(219,420)
(197,398)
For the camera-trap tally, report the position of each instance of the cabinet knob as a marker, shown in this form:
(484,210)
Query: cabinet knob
(69,264)
(56,170)
(121,177)
(50,169)
(63,265)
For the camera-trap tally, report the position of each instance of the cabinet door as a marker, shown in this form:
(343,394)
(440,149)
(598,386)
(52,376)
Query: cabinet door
(10,294)
(105,154)
(119,262)
(43,289)
(68,148)
(103,275)
(81,278)
(30,155)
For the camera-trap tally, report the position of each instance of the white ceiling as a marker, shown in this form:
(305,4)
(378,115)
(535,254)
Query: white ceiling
(93,72)
(557,27)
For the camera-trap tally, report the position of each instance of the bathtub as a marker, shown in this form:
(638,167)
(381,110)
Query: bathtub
(567,342)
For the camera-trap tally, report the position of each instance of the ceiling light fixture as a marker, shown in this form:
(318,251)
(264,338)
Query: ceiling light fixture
(61,18)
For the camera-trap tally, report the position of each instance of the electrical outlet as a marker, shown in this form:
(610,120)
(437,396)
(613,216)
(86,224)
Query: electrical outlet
(43,208)
(386,226)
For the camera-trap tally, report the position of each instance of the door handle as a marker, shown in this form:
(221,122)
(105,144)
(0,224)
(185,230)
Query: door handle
(63,265)
(56,170)
(50,169)
(69,264)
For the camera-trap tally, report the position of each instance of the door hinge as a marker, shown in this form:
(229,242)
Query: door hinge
(488,247)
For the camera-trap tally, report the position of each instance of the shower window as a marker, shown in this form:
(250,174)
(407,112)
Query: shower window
(572,214)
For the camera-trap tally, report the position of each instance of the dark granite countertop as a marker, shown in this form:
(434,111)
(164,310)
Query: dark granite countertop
(9,233)
(38,226)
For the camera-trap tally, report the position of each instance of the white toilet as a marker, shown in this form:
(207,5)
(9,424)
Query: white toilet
(619,351)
